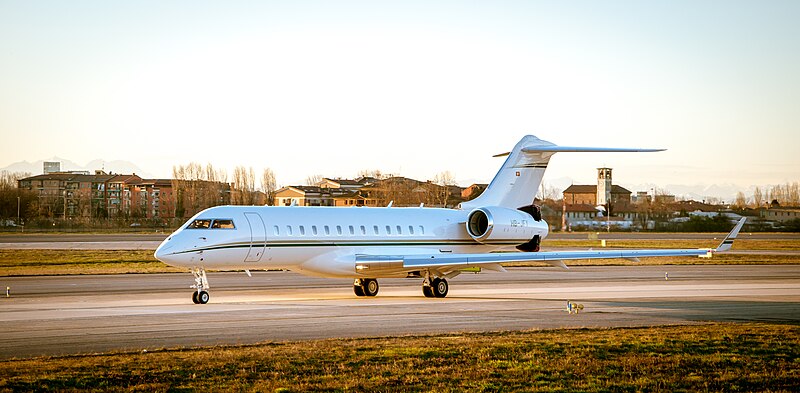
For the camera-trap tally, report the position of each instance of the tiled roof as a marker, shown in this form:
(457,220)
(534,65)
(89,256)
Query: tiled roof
(591,189)
(73,177)
(344,182)
(581,207)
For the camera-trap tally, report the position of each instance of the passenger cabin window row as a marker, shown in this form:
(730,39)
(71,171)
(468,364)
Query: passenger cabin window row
(351,230)
(213,223)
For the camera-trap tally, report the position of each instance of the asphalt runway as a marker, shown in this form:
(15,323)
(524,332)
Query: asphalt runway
(89,314)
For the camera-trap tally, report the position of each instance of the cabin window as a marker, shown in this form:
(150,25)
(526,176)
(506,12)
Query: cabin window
(276,231)
(388,230)
(289,230)
(199,224)
(399,230)
(327,230)
(223,224)
(410,230)
(375,229)
(302,230)
(363,230)
(339,230)
(352,230)
(314,230)
(421,230)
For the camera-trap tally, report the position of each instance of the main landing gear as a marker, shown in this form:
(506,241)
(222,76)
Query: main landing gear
(436,287)
(200,296)
(365,287)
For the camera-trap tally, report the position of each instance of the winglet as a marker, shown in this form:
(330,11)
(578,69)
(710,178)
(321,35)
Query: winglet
(727,243)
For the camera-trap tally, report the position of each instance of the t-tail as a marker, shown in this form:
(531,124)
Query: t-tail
(520,177)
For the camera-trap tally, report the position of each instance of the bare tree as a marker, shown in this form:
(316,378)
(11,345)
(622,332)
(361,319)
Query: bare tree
(444,180)
(196,188)
(269,185)
(374,173)
(244,184)
(741,201)
(13,200)
(787,194)
(758,198)
(313,180)
(548,192)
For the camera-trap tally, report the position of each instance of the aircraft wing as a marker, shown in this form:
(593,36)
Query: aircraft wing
(445,262)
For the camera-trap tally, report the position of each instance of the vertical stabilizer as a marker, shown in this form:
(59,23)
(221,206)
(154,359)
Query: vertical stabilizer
(518,180)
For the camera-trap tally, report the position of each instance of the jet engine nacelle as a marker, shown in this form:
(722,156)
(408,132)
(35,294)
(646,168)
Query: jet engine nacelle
(502,225)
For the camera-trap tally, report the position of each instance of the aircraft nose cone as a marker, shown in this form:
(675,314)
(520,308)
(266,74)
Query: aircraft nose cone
(163,253)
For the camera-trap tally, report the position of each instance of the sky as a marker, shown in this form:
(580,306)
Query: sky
(412,88)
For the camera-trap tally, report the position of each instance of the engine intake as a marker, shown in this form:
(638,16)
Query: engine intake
(498,225)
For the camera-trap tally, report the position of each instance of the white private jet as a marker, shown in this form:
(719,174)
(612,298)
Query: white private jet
(365,244)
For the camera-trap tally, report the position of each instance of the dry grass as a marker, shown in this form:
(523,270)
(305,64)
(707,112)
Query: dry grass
(714,357)
(59,262)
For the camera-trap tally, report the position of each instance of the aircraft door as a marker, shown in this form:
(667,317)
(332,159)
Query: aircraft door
(258,237)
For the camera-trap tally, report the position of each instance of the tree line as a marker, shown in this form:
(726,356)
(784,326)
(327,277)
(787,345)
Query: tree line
(197,187)
(787,195)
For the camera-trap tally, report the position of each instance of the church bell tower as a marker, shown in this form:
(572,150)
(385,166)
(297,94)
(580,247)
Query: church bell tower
(603,186)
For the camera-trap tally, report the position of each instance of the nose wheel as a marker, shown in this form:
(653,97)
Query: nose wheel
(200,296)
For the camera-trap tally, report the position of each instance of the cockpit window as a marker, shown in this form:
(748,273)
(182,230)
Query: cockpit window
(223,224)
(217,223)
(199,224)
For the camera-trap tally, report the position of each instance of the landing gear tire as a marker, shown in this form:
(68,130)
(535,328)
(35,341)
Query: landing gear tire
(427,291)
(202,297)
(359,290)
(370,286)
(439,287)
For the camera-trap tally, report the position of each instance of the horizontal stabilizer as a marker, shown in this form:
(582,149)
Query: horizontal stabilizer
(578,149)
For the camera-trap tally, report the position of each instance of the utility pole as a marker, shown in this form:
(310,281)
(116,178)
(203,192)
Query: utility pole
(18,202)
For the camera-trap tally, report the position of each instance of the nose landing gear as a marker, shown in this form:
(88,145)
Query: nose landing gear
(200,296)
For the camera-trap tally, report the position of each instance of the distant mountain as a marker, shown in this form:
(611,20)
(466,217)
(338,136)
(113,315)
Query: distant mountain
(116,166)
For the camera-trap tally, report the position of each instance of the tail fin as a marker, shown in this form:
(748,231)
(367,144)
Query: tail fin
(518,180)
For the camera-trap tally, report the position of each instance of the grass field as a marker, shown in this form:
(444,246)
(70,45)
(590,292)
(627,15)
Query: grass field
(61,262)
(713,357)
